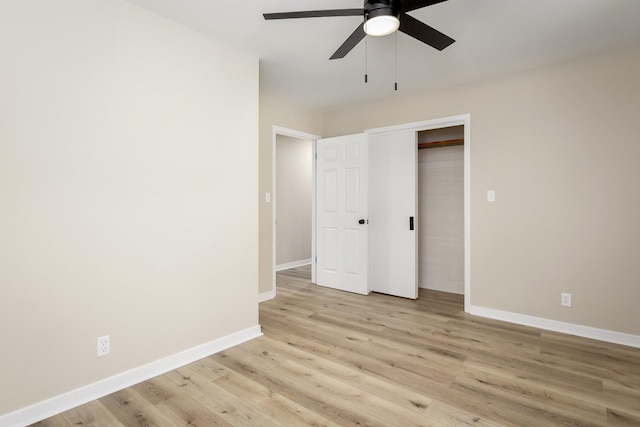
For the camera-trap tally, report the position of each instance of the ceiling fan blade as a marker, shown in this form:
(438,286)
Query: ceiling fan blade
(426,34)
(409,5)
(314,14)
(353,40)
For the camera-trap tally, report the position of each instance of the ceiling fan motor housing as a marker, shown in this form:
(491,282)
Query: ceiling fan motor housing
(380,7)
(381,18)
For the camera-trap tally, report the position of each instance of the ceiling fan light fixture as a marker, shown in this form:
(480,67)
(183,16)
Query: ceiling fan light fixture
(381,22)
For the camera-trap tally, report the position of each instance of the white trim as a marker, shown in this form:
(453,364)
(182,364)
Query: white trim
(82,395)
(266,296)
(313,210)
(465,120)
(556,326)
(424,125)
(467,211)
(278,130)
(293,264)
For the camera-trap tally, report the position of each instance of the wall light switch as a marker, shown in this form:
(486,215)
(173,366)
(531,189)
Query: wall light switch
(267,197)
(491,196)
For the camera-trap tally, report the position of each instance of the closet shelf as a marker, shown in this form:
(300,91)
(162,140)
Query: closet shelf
(445,143)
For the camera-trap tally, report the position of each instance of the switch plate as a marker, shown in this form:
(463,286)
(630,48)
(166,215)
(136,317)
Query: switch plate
(267,197)
(491,195)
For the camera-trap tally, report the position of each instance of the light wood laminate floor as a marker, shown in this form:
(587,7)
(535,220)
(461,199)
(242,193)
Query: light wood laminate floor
(334,358)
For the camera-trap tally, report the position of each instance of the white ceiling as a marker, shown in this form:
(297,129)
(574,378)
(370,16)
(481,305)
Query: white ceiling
(492,37)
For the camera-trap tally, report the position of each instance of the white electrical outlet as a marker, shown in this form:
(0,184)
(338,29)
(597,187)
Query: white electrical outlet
(565,299)
(104,345)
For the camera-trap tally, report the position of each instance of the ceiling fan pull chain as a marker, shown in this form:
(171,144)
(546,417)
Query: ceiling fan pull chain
(366,47)
(396,61)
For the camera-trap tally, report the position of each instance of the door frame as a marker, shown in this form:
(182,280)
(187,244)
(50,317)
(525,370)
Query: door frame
(275,131)
(465,120)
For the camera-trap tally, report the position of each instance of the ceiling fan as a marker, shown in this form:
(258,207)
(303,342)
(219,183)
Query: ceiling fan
(381,17)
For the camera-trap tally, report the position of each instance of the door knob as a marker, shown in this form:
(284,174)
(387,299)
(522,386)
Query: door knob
(361,222)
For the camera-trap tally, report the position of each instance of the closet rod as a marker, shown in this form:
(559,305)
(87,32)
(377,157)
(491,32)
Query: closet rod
(445,143)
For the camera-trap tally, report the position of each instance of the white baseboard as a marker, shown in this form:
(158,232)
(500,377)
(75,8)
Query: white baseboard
(82,395)
(266,296)
(293,264)
(556,326)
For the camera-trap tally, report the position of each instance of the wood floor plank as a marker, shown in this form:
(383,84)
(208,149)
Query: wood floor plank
(622,419)
(521,369)
(57,421)
(616,361)
(225,405)
(450,416)
(131,409)
(273,404)
(367,408)
(535,397)
(93,414)
(330,358)
(622,398)
(437,357)
(313,347)
(397,394)
(506,410)
(422,382)
(154,391)
(183,410)
(208,368)
(275,382)
(340,338)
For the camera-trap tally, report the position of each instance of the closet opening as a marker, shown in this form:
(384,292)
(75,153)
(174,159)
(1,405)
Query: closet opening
(441,210)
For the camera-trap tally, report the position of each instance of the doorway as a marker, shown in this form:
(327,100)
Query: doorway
(293,201)
(281,133)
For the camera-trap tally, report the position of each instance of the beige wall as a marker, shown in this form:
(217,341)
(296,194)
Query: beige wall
(275,110)
(560,147)
(128,182)
(293,197)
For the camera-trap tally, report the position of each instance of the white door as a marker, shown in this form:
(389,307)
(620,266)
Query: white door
(393,228)
(341,218)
